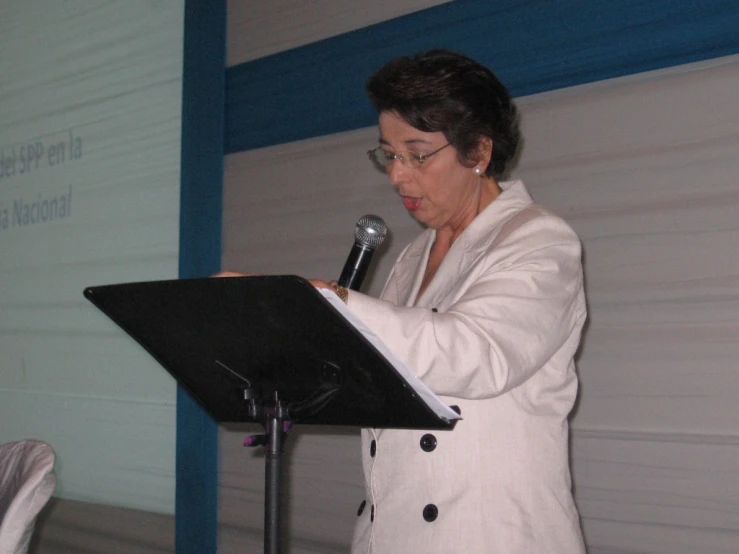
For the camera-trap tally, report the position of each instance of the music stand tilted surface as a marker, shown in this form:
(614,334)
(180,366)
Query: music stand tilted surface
(266,349)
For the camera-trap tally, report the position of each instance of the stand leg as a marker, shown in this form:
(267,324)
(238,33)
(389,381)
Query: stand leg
(273,477)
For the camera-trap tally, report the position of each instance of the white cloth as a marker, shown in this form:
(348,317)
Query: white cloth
(511,306)
(26,483)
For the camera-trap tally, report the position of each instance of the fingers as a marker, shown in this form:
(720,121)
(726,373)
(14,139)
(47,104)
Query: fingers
(233,274)
(319,284)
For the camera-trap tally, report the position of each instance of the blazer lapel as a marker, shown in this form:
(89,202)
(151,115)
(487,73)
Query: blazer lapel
(454,266)
(408,272)
(472,243)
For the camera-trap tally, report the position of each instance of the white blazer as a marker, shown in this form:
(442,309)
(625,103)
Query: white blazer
(494,333)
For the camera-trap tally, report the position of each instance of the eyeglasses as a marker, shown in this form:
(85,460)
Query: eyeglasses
(382,159)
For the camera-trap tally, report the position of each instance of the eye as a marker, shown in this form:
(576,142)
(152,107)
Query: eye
(388,156)
(417,158)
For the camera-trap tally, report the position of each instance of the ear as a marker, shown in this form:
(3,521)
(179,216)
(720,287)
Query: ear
(484,152)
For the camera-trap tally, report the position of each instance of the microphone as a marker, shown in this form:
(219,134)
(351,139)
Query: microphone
(368,235)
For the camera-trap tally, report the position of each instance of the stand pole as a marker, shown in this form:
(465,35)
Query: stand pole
(273,465)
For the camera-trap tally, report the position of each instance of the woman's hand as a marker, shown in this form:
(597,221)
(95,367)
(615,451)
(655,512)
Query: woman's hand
(320,284)
(341,292)
(234,274)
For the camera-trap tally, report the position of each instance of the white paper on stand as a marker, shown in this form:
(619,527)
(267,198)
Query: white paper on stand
(431,400)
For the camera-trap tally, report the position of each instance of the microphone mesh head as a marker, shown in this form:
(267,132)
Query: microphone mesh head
(370,231)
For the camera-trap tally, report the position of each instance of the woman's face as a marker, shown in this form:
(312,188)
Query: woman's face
(441,192)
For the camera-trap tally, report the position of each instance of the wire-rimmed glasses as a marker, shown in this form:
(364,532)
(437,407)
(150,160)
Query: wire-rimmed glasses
(382,159)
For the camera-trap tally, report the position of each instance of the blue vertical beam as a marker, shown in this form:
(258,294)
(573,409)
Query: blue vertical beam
(203,93)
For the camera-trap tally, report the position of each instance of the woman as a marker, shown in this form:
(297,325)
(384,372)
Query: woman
(486,306)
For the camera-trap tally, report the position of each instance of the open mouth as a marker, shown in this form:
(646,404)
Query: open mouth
(411,204)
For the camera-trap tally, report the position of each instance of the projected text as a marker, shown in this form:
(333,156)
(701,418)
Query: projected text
(34,155)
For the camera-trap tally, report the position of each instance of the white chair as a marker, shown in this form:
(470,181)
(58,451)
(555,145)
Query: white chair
(27,481)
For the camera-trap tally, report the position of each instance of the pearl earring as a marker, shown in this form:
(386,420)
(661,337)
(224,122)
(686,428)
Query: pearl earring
(478,170)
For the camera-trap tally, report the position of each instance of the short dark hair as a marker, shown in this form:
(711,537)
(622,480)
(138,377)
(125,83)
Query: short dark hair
(443,91)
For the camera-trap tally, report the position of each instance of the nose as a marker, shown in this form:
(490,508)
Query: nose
(397,172)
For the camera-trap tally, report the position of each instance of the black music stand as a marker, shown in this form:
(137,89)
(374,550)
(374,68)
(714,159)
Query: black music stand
(266,349)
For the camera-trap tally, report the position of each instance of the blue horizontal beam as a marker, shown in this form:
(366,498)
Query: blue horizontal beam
(533,46)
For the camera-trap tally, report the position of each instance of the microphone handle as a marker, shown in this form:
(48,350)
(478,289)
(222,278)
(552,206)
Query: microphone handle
(355,267)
